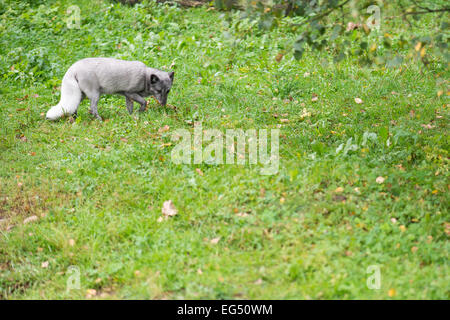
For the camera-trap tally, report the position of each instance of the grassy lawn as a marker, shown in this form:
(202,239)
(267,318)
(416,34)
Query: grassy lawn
(359,184)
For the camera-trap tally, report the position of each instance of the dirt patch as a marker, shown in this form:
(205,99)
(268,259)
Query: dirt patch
(20,203)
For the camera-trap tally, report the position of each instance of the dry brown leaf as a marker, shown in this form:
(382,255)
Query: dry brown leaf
(30,219)
(279,57)
(242,214)
(428,126)
(168,208)
(215,240)
(90,293)
(339,190)
(163,129)
(380,180)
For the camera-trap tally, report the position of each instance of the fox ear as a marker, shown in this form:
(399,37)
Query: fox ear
(171,74)
(154,79)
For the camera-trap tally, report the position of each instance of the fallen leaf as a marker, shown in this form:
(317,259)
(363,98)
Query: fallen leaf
(90,293)
(199,171)
(352,26)
(339,190)
(242,214)
(392,292)
(163,129)
(30,219)
(447,228)
(279,57)
(358,100)
(414,249)
(215,240)
(44,264)
(168,208)
(71,242)
(427,126)
(402,228)
(380,180)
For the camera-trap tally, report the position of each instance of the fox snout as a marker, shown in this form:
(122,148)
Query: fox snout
(162,100)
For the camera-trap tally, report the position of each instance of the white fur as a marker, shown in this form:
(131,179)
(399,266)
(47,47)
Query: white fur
(70,97)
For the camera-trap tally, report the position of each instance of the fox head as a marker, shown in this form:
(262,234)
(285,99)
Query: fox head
(158,84)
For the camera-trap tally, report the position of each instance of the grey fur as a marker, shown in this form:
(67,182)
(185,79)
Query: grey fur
(92,77)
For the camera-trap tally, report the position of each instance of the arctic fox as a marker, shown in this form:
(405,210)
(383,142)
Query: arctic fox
(92,77)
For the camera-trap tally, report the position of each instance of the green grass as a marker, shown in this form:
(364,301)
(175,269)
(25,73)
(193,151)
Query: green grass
(312,230)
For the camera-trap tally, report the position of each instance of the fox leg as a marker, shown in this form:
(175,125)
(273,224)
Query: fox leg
(136,97)
(129,103)
(94,101)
